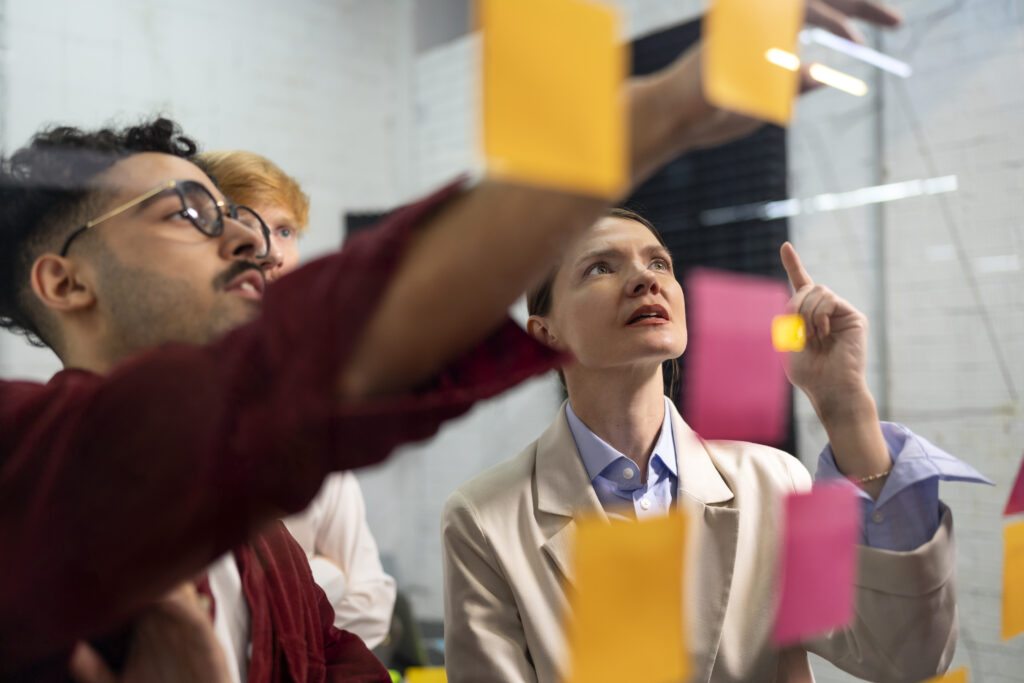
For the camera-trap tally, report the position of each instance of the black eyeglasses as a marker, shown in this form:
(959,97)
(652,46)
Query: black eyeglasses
(198,205)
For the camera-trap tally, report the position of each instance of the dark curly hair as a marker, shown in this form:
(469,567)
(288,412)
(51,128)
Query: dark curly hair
(45,193)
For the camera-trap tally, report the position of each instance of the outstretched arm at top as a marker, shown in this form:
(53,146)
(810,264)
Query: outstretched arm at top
(480,252)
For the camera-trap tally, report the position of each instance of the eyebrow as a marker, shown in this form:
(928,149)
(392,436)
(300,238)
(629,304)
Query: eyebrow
(651,250)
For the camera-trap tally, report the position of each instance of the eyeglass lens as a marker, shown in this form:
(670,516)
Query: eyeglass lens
(204,213)
(201,208)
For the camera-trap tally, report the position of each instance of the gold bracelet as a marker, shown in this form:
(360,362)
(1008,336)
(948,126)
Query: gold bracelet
(873,477)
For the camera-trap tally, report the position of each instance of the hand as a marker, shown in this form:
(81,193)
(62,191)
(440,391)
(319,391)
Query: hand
(835,16)
(830,370)
(832,364)
(174,641)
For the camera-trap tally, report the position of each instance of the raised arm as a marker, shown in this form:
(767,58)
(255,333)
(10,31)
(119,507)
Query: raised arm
(830,371)
(481,252)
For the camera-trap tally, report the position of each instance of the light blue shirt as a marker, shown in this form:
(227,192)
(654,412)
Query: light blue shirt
(616,478)
(905,515)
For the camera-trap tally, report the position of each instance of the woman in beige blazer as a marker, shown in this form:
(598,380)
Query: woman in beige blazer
(616,306)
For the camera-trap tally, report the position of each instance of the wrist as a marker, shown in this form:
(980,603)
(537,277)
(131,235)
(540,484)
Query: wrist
(842,407)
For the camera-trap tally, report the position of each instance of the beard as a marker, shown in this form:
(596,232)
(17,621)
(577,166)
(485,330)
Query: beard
(146,309)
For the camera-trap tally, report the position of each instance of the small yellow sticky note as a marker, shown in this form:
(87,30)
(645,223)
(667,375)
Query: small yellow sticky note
(634,569)
(789,333)
(1013,580)
(426,674)
(554,112)
(742,73)
(955,676)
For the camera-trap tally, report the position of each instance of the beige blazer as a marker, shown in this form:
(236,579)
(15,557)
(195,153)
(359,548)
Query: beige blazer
(507,537)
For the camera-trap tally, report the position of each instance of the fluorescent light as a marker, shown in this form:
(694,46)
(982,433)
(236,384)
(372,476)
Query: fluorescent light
(857,51)
(838,80)
(834,201)
(1005,263)
(940,253)
(819,72)
(787,60)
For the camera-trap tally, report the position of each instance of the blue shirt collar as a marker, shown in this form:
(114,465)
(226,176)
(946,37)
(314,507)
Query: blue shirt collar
(601,459)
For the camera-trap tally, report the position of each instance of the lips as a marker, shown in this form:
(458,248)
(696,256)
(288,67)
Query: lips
(651,314)
(249,284)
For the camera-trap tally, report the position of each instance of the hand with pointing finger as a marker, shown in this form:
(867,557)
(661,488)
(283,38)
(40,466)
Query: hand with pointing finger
(830,370)
(832,363)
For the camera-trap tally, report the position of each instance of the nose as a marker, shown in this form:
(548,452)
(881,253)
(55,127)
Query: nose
(272,262)
(239,241)
(642,282)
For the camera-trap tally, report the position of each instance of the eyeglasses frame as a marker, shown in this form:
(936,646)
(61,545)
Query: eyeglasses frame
(230,207)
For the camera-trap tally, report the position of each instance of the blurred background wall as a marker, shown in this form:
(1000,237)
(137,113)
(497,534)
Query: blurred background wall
(371,103)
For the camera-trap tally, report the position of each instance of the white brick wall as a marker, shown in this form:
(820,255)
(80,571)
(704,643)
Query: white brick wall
(319,86)
(959,115)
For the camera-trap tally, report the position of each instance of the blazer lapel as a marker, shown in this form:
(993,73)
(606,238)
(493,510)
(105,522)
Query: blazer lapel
(714,527)
(564,492)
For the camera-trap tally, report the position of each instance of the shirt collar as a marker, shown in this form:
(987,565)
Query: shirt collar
(598,456)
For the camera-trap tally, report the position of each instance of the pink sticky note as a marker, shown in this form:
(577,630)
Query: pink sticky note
(817,562)
(736,387)
(1016,502)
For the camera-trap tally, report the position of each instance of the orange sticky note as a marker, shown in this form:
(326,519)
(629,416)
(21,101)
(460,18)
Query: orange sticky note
(1013,580)
(426,674)
(738,37)
(634,569)
(554,112)
(955,676)
(788,333)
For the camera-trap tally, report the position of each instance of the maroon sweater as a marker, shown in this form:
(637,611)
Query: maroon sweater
(113,489)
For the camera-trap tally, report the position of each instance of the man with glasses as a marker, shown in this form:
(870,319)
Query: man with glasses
(121,497)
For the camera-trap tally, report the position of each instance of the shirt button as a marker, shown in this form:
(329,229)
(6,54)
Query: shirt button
(645,504)
(878,517)
(627,473)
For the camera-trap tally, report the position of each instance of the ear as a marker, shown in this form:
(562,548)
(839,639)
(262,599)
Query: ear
(539,329)
(60,284)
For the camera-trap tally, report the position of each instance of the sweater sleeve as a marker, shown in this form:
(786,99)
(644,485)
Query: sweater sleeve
(115,488)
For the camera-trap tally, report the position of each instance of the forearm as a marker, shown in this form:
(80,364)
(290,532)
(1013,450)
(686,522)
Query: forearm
(905,624)
(479,253)
(457,278)
(851,422)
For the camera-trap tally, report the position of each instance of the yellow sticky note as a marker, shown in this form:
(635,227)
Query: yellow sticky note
(789,333)
(554,111)
(1013,580)
(743,43)
(955,676)
(635,569)
(426,674)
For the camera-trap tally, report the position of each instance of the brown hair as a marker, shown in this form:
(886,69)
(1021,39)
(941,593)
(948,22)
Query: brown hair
(248,178)
(539,297)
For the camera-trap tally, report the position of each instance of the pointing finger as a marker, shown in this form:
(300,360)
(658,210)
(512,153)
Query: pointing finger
(798,276)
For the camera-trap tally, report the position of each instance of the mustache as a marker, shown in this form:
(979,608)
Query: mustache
(236,269)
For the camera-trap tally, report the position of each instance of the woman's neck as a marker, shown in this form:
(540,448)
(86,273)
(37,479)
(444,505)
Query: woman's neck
(625,407)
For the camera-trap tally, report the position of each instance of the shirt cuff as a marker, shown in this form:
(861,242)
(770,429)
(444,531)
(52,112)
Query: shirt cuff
(330,577)
(906,513)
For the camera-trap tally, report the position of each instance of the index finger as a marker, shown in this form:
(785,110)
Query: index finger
(798,275)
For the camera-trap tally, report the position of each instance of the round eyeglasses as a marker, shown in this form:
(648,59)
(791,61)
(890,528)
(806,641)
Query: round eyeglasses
(199,206)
